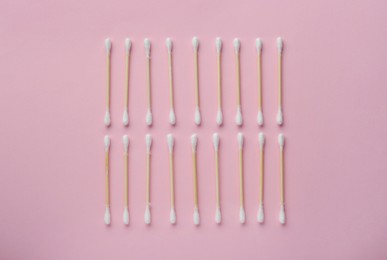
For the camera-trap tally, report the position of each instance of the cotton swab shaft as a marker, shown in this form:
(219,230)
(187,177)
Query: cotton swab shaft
(107,192)
(280,113)
(241,193)
(171,142)
(242,216)
(258,45)
(261,166)
(147,45)
(281,141)
(194,141)
(147,216)
(195,181)
(219,116)
(216,139)
(195,44)
(125,117)
(261,215)
(196,71)
(108,47)
(282,176)
(125,140)
(238,118)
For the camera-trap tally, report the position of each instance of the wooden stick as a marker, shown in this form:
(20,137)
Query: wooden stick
(107,192)
(147,216)
(219,116)
(108,46)
(261,215)
(281,141)
(195,44)
(172,118)
(125,140)
(242,217)
(125,117)
(280,113)
(171,142)
(258,44)
(147,44)
(238,118)
(194,141)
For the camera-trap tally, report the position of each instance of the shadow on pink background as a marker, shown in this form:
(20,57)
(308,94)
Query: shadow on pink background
(52,90)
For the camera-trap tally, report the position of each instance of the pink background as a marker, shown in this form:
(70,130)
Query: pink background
(52,90)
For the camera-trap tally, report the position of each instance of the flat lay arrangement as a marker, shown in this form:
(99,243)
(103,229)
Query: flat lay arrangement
(194,137)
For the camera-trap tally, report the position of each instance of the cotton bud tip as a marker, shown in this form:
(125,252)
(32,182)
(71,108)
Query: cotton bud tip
(195,43)
(258,45)
(108,45)
(128,45)
(169,44)
(218,44)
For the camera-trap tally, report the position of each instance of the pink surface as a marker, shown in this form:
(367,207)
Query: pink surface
(52,101)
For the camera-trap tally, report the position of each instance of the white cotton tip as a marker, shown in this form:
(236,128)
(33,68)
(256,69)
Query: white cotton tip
(147,45)
(148,142)
(280,117)
(280,44)
(261,214)
(258,45)
(282,217)
(240,140)
(242,215)
(107,217)
(107,142)
(125,118)
(198,118)
(194,142)
(107,118)
(261,140)
(108,45)
(149,117)
(128,45)
(218,216)
(218,44)
(260,118)
(169,44)
(172,117)
(219,117)
(125,216)
(281,140)
(125,141)
(171,142)
(196,217)
(238,117)
(215,140)
(147,215)
(237,45)
(172,216)
(195,43)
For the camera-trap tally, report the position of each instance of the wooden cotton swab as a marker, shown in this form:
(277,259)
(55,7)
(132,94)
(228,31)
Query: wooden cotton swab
(107,198)
(238,117)
(218,215)
(261,214)
(258,45)
(280,117)
(195,44)
(125,217)
(194,142)
(171,143)
(172,117)
(125,117)
(147,45)
(281,141)
(148,142)
(219,115)
(242,215)
(108,48)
